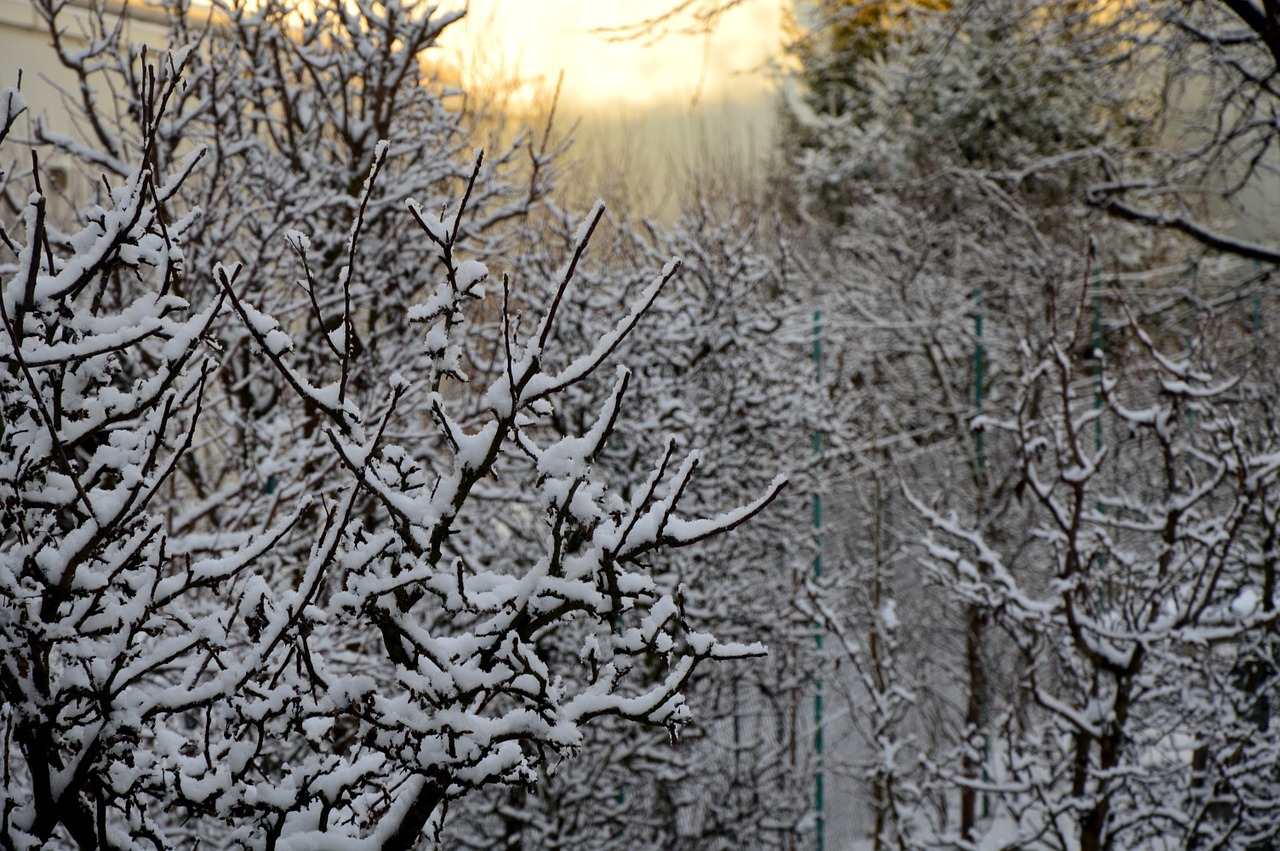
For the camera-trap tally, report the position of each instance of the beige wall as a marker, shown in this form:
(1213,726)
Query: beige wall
(25,46)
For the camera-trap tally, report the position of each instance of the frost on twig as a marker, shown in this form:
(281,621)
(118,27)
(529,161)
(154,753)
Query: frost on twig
(292,549)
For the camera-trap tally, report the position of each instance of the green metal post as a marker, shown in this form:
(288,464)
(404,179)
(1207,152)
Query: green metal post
(979,369)
(1098,343)
(1097,351)
(979,377)
(819,796)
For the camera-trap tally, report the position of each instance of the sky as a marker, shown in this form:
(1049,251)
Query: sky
(544,37)
(648,113)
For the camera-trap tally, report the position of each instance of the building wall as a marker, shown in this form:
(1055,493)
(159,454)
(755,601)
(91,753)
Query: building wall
(26,47)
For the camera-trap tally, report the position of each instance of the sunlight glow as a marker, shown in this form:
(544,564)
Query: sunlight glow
(540,39)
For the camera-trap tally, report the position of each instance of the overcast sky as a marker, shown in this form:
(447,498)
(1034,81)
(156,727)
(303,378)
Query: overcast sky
(650,112)
(548,36)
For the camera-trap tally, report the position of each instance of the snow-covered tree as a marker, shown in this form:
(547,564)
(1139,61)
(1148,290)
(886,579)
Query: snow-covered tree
(948,164)
(951,175)
(1211,176)
(288,564)
(941,172)
(712,361)
(1143,610)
